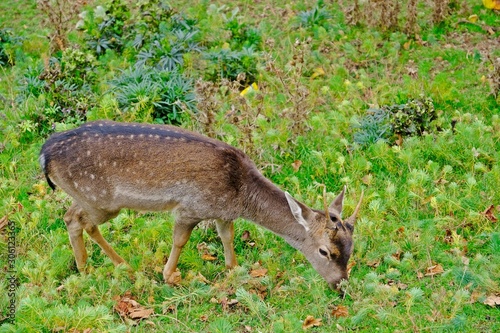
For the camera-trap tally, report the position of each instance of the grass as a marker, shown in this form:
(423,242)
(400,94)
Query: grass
(423,207)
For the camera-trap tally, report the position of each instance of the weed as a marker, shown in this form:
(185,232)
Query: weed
(59,17)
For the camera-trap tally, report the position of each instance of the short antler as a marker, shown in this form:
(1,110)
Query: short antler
(352,219)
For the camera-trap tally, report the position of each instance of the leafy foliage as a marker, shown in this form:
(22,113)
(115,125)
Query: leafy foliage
(146,93)
(414,118)
(104,27)
(228,64)
(7,42)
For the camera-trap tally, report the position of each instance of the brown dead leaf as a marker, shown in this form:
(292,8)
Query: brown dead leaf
(373,263)
(492,300)
(420,275)
(204,318)
(208,257)
(228,303)
(489,214)
(340,311)
(60,288)
(259,272)
(311,322)
(434,270)
(140,313)
(128,308)
(296,165)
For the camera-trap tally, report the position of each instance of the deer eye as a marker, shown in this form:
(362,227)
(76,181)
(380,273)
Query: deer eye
(323,252)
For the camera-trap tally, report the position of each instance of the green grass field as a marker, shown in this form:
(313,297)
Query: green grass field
(427,243)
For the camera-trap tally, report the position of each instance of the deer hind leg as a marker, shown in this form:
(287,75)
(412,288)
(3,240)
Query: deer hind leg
(225,230)
(78,220)
(72,218)
(182,232)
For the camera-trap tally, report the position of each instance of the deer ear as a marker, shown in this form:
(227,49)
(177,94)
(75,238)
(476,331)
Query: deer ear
(298,212)
(337,205)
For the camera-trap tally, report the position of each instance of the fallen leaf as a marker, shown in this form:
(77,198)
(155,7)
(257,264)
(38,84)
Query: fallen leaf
(373,263)
(420,275)
(128,308)
(492,4)
(60,288)
(473,18)
(226,303)
(489,214)
(204,318)
(140,313)
(434,270)
(311,322)
(492,300)
(252,87)
(318,71)
(296,165)
(259,272)
(340,311)
(407,45)
(208,257)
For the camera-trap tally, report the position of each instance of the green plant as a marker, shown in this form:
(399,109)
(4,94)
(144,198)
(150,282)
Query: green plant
(373,127)
(147,93)
(7,41)
(413,118)
(228,64)
(104,27)
(318,16)
(242,36)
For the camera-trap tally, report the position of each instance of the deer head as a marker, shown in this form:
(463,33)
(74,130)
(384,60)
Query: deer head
(328,243)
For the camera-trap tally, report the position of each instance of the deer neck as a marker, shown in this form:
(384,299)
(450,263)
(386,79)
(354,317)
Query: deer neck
(266,205)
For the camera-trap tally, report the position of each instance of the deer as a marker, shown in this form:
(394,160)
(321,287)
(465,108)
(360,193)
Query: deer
(107,166)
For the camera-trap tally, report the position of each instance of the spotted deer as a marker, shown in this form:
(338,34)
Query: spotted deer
(106,166)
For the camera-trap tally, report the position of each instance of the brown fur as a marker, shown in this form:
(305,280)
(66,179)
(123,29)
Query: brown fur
(106,166)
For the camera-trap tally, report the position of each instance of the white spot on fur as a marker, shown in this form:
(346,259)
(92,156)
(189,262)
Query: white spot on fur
(92,176)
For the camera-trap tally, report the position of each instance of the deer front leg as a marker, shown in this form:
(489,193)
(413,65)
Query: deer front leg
(226,233)
(182,232)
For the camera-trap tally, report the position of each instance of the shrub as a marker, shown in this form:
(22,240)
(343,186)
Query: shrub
(146,93)
(228,64)
(413,118)
(104,27)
